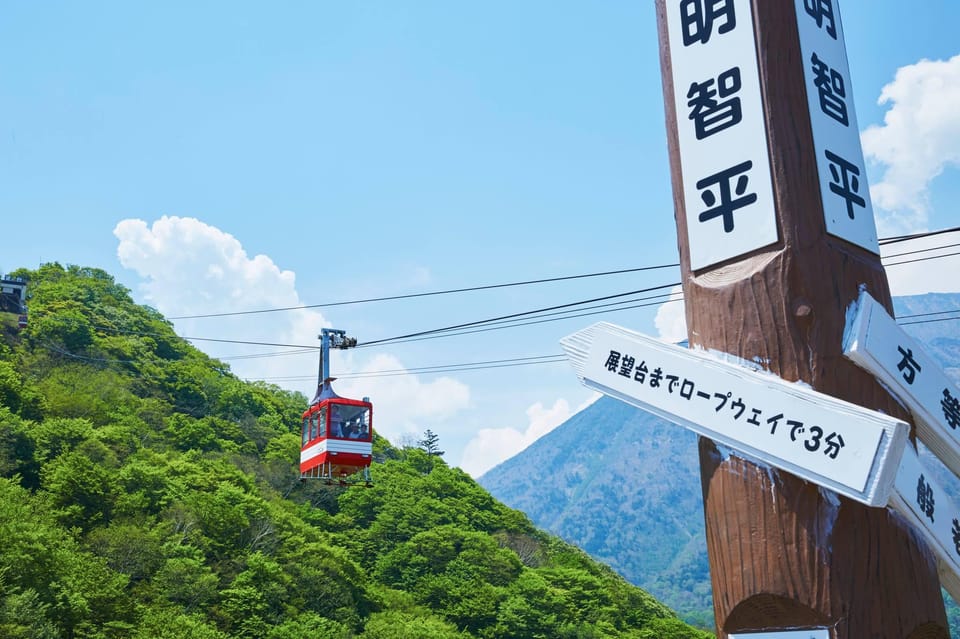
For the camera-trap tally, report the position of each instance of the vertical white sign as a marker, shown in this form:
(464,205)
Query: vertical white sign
(836,138)
(875,342)
(921,500)
(724,161)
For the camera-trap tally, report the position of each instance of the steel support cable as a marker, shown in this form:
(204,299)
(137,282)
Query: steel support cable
(433,293)
(513,315)
(916,236)
(882,242)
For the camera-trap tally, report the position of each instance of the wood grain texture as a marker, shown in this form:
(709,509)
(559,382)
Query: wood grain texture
(783,553)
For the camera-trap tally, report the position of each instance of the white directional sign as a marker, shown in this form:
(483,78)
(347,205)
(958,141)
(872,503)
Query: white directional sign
(727,188)
(875,342)
(843,177)
(921,500)
(833,443)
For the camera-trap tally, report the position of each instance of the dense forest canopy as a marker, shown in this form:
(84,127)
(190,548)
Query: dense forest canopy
(145,491)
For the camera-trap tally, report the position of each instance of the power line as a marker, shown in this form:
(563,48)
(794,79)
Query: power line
(922,259)
(514,315)
(905,238)
(441,368)
(930,321)
(925,250)
(431,293)
(496,323)
(955,310)
(882,242)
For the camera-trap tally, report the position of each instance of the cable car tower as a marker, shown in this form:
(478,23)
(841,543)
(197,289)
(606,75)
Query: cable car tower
(13,298)
(337,437)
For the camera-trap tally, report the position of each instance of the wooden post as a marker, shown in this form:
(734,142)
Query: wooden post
(784,553)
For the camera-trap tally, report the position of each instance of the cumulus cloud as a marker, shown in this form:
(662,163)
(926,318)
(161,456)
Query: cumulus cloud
(491,446)
(671,321)
(919,138)
(192,268)
(189,268)
(404,404)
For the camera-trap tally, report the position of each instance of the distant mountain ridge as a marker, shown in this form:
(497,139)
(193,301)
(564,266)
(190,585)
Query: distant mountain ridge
(624,485)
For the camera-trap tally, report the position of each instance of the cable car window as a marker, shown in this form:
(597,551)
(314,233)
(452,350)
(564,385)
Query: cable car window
(350,422)
(313,427)
(322,422)
(306,433)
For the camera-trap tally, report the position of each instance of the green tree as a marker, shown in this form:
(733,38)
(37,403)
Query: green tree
(429,443)
(399,625)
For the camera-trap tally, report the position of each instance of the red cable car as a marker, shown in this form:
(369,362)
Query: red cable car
(337,436)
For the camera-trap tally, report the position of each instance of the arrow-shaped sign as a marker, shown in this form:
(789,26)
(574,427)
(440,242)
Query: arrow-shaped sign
(833,443)
(923,502)
(874,341)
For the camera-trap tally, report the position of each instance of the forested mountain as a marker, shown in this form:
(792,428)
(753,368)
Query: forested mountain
(624,485)
(146,492)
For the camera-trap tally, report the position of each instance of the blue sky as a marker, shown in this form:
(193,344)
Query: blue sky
(220,157)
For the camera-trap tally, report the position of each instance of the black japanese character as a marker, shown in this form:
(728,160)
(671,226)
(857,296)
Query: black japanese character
(956,535)
(709,114)
(672,381)
(951,409)
(834,444)
(822,12)
(797,428)
(738,406)
(613,361)
(723,400)
(703,394)
(655,378)
(686,389)
(641,373)
(845,182)
(830,86)
(727,204)
(697,18)
(812,444)
(908,366)
(925,497)
(626,365)
(753,418)
(774,421)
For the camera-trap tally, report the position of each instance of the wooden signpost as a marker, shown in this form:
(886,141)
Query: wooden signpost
(832,443)
(776,238)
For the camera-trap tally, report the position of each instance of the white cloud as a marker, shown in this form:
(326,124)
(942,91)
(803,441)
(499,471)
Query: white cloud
(191,268)
(403,404)
(671,321)
(491,446)
(919,138)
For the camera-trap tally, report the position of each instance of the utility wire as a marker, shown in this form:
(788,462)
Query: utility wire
(925,250)
(507,321)
(441,368)
(922,259)
(513,315)
(882,242)
(431,293)
(905,238)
